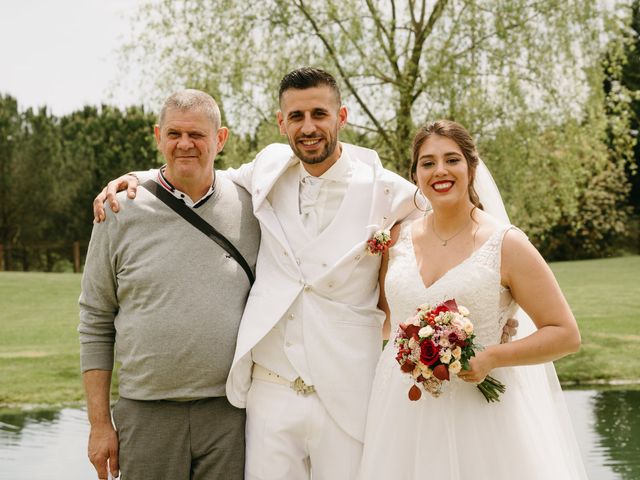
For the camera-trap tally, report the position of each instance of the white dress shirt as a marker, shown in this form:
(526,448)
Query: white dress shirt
(320,197)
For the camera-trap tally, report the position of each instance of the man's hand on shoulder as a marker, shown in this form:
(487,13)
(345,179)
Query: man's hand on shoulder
(510,330)
(127,181)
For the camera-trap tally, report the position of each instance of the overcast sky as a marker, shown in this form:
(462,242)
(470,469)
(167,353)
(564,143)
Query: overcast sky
(63,53)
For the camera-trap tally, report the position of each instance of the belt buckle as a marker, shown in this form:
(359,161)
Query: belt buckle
(302,388)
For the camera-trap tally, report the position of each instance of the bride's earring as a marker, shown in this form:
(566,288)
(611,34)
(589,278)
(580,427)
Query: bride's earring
(426,206)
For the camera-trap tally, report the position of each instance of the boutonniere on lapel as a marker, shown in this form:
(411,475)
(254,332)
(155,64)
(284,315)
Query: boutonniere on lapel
(379,243)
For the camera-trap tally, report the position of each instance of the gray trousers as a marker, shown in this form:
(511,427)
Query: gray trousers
(196,440)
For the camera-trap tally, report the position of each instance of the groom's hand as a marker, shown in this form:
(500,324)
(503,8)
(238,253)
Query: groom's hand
(108,194)
(509,330)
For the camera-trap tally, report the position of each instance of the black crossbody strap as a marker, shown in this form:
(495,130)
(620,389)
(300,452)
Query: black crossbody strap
(197,221)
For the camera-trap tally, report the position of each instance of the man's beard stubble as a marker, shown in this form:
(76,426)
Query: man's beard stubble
(328,151)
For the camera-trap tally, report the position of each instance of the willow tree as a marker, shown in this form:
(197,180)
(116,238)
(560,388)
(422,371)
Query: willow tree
(524,76)
(486,63)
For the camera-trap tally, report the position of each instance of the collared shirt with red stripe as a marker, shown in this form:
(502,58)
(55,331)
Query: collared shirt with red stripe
(162,180)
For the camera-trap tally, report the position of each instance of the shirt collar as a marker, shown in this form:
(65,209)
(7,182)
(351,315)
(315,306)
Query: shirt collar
(162,180)
(338,172)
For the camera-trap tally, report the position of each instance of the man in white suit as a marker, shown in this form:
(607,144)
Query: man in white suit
(311,332)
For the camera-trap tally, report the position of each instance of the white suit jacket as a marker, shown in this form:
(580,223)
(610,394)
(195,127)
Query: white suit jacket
(341,321)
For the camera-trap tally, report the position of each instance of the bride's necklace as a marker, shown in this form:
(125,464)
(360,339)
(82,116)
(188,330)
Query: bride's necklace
(445,240)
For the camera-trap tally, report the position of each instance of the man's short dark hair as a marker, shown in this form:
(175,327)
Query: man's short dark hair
(308,77)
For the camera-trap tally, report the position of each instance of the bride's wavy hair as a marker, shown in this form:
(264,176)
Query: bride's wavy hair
(457,133)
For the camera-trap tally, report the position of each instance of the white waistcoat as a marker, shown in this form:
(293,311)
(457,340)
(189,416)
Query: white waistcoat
(282,349)
(329,283)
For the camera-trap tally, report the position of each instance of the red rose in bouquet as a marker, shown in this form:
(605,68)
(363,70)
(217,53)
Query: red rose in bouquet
(429,352)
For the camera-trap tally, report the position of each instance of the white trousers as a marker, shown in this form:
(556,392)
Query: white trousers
(289,435)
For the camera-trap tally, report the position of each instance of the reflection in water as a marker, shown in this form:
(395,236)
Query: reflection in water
(607,424)
(580,404)
(16,420)
(617,423)
(48,445)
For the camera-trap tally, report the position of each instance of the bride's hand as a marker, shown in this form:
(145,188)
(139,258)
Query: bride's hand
(480,365)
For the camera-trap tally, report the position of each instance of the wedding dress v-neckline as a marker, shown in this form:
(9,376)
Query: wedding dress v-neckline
(456,266)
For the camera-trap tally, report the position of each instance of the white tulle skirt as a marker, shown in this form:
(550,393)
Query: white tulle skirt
(459,436)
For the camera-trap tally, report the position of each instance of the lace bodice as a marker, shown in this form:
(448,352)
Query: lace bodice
(474,283)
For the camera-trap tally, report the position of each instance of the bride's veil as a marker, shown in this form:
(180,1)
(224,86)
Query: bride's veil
(540,382)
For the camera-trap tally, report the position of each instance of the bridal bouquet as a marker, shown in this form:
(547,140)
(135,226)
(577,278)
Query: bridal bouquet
(436,342)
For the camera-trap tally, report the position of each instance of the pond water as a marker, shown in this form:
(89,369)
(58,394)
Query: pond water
(49,445)
(43,444)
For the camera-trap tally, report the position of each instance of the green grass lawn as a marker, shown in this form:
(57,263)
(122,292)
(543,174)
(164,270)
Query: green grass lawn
(605,297)
(39,346)
(39,314)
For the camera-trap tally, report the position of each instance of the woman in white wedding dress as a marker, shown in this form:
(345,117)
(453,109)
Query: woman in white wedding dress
(459,251)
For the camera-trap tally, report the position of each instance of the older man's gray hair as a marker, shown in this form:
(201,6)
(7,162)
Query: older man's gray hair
(190,100)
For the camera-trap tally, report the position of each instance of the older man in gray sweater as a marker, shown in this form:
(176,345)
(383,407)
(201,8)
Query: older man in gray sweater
(170,301)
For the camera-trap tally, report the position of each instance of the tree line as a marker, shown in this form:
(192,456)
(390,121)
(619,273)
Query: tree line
(50,170)
(549,88)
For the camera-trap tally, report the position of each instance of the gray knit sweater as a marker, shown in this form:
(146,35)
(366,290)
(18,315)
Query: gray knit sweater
(168,296)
